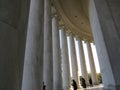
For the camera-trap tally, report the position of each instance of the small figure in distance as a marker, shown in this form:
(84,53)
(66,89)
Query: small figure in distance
(83,82)
(90,81)
(44,86)
(74,84)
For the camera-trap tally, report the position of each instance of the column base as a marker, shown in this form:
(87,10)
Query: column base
(71,88)
(79,86)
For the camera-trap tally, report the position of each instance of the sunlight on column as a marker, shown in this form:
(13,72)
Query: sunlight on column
(78,57)
(95,58)
(69,56)
(86,57)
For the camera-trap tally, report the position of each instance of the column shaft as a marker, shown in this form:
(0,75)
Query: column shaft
(106,28)
(57,73)
(65,61)
(13,24)
(73,59)
(48,53)
(83,62)
(33,65)
(92,65)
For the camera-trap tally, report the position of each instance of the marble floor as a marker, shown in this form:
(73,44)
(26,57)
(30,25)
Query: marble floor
(97,87)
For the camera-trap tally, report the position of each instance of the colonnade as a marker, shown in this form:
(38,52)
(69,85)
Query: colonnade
(40,59)
(48,62)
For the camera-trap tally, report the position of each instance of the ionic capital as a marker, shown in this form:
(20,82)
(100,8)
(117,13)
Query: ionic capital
(78,37)
(88,41)
(69,33)
(62,26)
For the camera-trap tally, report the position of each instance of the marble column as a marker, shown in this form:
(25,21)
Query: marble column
(65,61)
(57,73)
(74,64)
(82,61)
(13,24)
(92,64)
(33,65)
(106,32)
(48,53)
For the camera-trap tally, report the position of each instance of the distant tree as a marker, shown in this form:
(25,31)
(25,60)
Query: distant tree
(98,76)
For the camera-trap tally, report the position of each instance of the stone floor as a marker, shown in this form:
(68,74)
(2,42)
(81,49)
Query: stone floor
(98,87)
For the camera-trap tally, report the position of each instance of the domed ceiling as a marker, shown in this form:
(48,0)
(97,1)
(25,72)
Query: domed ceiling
(74,15)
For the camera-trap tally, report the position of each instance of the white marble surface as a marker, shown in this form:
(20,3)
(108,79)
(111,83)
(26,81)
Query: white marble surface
(92,64)
(73,56)
(33,64)
(57,67)
(105,24)
(48,53)
(83,62)
(65,60)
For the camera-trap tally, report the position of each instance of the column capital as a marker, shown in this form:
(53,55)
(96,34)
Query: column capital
(89,41)
(55,15)
(70,33)
(53,9)
(62,27)
(78,37)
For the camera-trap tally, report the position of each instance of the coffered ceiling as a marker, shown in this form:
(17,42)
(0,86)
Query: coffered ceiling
(74,15)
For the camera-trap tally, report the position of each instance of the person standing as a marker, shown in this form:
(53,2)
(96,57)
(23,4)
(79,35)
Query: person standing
(90,81)
(83,82)
(74,84)
(44,86)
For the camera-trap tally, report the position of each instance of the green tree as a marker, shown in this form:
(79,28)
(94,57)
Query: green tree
(99,77)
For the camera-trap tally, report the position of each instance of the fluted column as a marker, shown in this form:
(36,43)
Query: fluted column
(82,61)
(65,61)
(57,73)
(48,54)
(33,65)
(92,65)
(73,59)
(106,32)
(13,24)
